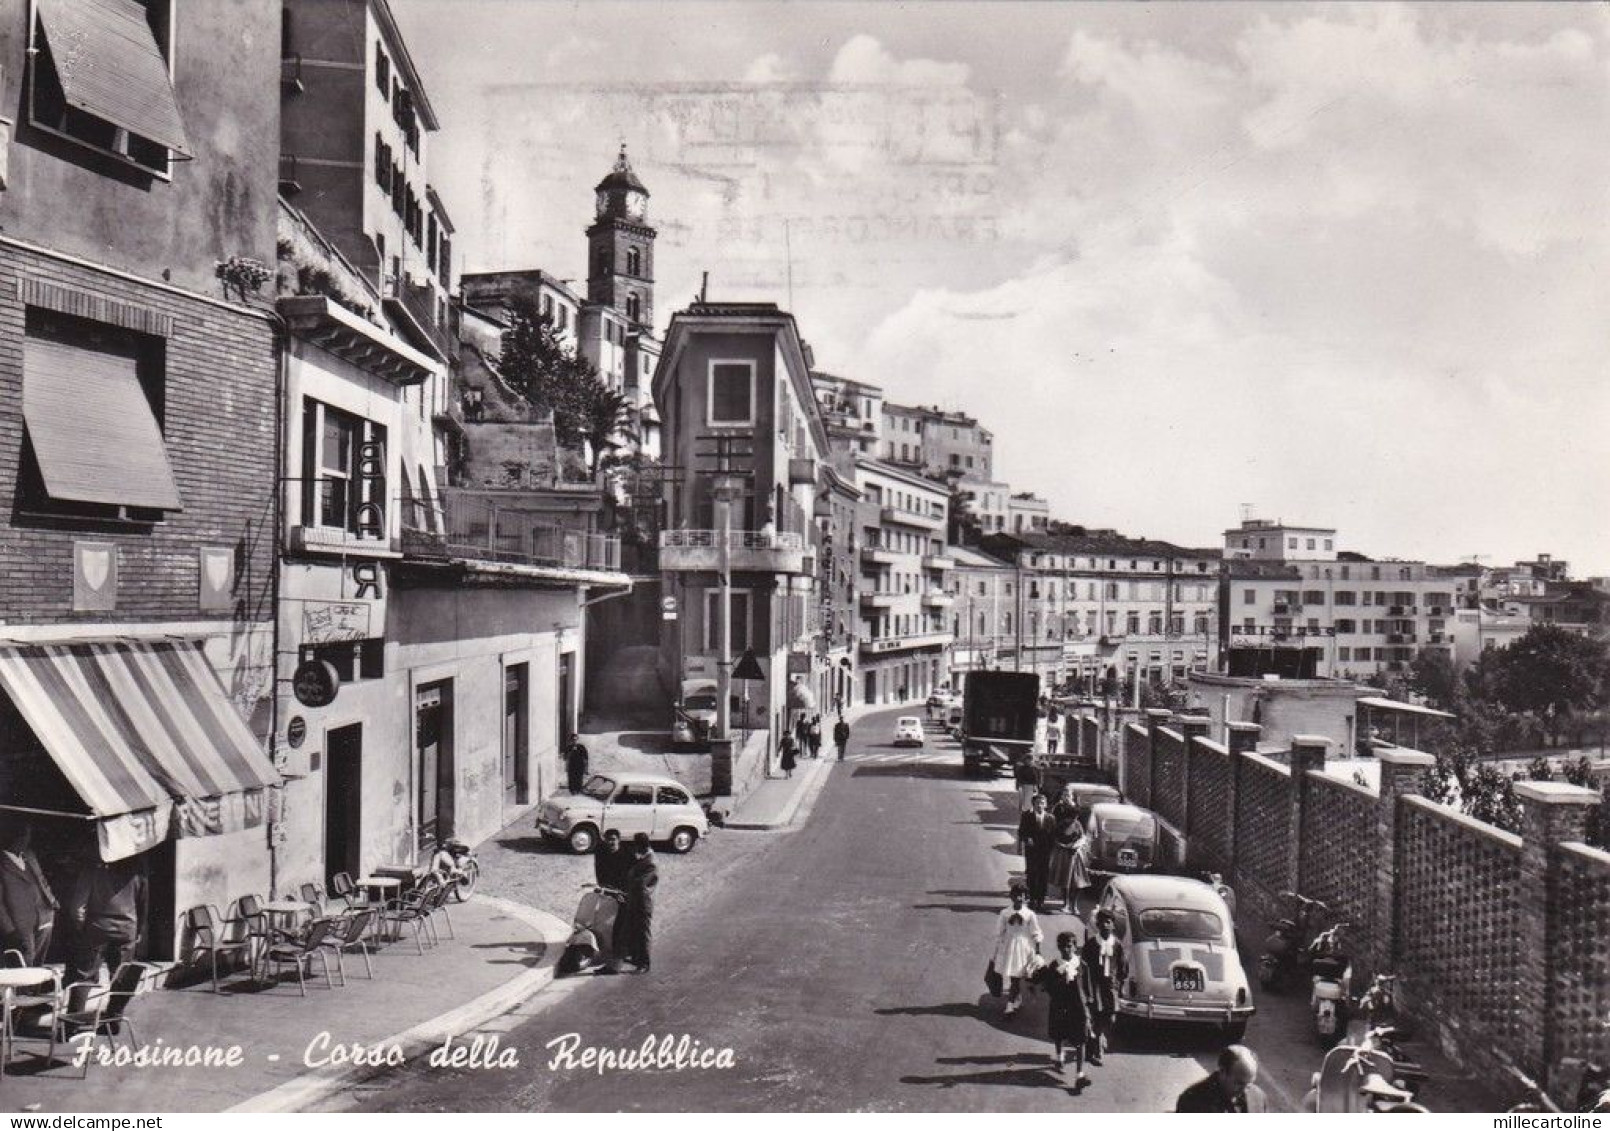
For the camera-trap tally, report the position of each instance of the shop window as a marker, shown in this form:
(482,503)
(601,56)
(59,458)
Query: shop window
(353,660)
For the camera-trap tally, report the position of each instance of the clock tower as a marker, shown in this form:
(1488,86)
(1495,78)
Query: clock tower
(620,246)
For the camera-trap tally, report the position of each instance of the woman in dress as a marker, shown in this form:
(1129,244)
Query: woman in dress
(1063,855)
(1066,984)
(1017,946)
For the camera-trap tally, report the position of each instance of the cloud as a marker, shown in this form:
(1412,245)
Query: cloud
(863,59)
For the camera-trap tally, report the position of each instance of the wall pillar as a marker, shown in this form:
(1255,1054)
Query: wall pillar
(1403,772)
(1307,753)
(1552,812)
(1243,737)
(1191,727)
(721,767)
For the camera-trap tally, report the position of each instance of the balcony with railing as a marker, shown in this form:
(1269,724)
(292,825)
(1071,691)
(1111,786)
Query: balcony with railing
(874,600)
(938,599)
(414,308)
(878,556)
(921,520)
(753,551)
(483,528)
(938,561)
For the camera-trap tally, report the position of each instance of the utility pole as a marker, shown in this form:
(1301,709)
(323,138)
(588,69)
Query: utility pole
(723,492)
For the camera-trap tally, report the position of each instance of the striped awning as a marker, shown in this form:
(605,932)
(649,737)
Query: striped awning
(144,733)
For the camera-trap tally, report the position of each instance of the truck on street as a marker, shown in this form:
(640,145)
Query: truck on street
(1000,719)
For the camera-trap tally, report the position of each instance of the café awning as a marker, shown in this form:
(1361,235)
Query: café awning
(144,733)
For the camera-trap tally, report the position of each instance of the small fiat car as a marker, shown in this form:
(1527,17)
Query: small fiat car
(1180,942)
(630,803)
(1121,839)
(908,731)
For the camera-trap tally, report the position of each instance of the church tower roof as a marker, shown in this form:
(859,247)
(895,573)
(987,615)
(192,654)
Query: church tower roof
(621,176)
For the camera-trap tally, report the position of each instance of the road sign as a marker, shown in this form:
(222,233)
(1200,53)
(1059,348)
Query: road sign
(667,608)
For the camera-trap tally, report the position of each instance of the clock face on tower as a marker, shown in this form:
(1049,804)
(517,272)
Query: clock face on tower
(636,205)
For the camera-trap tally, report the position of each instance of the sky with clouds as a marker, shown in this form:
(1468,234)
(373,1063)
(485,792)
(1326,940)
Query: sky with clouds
(1347,264)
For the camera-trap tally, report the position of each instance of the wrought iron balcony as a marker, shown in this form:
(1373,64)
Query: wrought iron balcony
(482,528)
(756,551)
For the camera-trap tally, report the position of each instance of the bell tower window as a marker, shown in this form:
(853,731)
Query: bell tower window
(634,262)
(634,307)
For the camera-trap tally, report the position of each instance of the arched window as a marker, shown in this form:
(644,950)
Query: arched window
(634,307)
(634,261)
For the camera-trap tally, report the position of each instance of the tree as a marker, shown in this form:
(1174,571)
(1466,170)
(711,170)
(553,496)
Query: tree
(1540,770)
(1432,675)
(1551,673)
(964,527)
(1579,772)
(1489,796)
(604,418)
(545,370)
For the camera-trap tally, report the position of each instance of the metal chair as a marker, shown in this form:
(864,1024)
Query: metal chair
(440,894)
(414,910)
(297,951)
(313,895)
(89,1010)
(211,935)
(342,888)
(350,931)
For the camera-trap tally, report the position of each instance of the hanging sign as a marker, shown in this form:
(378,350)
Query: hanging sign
(315,683)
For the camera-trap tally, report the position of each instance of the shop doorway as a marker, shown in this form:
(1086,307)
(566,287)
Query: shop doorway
(343,801)
(158,917)
(433,738)
(516,732)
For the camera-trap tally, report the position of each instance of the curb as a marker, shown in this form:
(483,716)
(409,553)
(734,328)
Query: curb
(819,770)
(313,1086)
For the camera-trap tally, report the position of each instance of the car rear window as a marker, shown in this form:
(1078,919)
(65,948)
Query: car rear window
(910,721)
(1180,923)
(1138,825)
(700,703)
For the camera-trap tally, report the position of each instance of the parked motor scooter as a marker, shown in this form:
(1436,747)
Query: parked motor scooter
(1285,950)
(589,946)
(1359,1078)
(1331,974)
(1591,1085)
(1375,1016)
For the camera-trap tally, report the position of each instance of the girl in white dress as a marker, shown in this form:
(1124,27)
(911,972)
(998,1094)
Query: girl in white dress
(1017,946)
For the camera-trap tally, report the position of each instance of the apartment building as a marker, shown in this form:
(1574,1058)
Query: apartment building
(741,417)
(1093,602)
(853,411)
(982,612)
(137,455)
(905,605)
(1027,513)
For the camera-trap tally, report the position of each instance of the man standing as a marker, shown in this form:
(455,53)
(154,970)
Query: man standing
(813,736)
(611,862)
(106,909)
(841,736)
(27,905)
(1036,836)
(1230,1088)
(641,880)
(575,765)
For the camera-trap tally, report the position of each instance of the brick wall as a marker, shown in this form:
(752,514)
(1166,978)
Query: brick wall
(1339,849)
(1168,775)
(1458,950)
(1579,955)
(218,424)
(1262,834)
(1137,769)
(1208,764)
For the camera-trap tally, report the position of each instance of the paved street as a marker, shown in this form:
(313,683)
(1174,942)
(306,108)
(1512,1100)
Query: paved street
(842,963)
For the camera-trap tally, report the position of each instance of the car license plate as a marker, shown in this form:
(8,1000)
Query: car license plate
(1128,858)
(1188,980)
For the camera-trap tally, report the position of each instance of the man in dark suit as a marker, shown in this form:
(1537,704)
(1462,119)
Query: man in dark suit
(641,880)
(1036,836)
(575,765)
(611,861)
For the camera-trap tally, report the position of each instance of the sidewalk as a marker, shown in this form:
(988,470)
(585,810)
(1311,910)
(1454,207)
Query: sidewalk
(503,953)
(775,802)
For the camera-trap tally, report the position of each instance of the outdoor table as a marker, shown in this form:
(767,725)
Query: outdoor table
(11,980)
(283,913)
(380,888)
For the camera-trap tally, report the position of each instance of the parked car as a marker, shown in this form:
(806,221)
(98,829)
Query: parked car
(941,699)
(1087,795)
(908,731)
(662,807)
(1122,839)
(953,719)
(1183,964)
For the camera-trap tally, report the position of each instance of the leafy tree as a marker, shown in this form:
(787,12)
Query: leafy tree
(1579,772)
(964,526)
(604,418)
(1432,675)
(1551,673)
(545,369)
(1441,783)
(1599,823)
(1540,770)
(1489,796)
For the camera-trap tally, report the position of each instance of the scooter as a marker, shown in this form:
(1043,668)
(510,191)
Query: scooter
(1331,975)
(589,946)
(462,870)
(1285,950)
(1359,1078)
